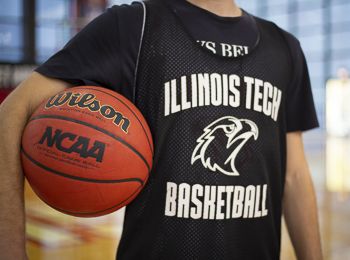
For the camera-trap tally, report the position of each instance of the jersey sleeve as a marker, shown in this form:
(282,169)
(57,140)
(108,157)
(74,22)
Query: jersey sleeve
(99,54)
(300,107)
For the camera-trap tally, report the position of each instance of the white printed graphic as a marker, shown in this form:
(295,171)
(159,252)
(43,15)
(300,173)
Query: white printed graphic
(236,133)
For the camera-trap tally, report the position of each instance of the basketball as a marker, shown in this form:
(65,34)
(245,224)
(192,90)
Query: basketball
(87,151)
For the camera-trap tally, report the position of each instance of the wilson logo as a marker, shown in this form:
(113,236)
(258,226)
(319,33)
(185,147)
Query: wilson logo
(71,143)
(90,102)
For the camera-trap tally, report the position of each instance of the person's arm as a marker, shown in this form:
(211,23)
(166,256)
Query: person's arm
(299,202)
(14,113)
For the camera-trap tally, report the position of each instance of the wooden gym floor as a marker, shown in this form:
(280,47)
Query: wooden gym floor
(52,235)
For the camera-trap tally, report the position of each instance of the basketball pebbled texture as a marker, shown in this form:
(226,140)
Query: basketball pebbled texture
(87,151)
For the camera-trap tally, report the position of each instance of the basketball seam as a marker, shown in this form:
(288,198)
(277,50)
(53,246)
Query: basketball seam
(97,129)
(96,212)
(77,177)
(149,142)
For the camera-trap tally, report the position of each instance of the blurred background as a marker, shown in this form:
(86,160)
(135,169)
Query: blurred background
(33,30)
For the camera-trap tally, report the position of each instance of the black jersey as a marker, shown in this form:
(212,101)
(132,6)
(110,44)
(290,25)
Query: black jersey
(219,125)
(225,36)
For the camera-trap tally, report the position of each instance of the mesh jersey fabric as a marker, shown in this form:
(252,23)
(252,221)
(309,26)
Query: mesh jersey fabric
(171,219)
(143,238)
(105,52)
(212,30)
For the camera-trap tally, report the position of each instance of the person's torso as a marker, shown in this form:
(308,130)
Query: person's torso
(218,126)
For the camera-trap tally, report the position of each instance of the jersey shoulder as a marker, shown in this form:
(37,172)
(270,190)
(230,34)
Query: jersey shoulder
(130,22)
(277,31)
(134,9)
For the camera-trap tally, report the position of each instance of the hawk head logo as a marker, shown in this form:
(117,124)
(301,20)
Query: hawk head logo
(234,133)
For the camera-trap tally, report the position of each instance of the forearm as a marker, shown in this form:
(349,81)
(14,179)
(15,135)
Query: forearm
(12,223)
(300,211)
(14,113)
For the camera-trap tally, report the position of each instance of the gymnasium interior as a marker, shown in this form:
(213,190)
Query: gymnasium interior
(33,30)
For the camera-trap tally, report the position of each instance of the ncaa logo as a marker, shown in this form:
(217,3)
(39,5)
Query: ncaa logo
(235,133)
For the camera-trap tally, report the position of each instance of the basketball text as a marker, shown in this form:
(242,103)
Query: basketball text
(71,143)
(215,202)
(215,89)
(90,102)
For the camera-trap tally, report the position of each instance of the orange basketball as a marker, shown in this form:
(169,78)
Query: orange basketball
(87,151)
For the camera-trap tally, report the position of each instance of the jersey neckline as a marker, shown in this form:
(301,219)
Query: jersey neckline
(207,51)
(218,18)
